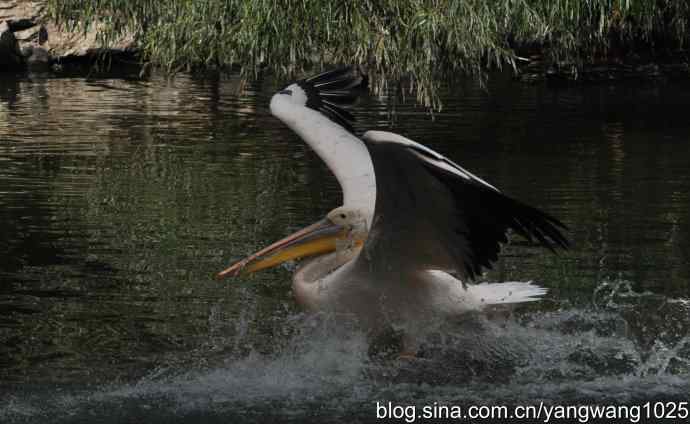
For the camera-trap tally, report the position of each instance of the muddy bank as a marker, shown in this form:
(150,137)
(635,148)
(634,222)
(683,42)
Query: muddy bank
(29,40)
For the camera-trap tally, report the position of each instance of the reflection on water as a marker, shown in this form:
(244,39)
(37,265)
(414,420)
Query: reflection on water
(120,198)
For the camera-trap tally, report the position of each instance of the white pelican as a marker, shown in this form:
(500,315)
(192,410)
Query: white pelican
(413,229)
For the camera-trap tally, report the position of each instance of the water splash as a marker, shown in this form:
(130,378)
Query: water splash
(596,354)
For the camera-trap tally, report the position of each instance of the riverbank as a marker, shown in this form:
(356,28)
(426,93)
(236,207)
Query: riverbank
(31,39)
(419,43)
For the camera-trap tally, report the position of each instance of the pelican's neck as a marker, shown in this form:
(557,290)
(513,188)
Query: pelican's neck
(313,281)
(344,154)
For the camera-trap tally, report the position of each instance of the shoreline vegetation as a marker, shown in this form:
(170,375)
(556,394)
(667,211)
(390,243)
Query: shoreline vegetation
(420,42)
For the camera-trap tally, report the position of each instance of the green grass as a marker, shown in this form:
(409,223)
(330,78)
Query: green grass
(420,42)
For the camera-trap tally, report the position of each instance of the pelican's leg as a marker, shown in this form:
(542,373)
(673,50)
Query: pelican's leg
(383,341)
(410,346)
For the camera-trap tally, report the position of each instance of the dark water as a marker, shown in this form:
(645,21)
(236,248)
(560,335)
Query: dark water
(120,198)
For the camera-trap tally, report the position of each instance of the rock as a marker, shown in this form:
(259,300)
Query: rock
(42,41)
(64,44)
(21,14)
(27,35)
(20,24)
(10,56)
(38,59)
(42,35)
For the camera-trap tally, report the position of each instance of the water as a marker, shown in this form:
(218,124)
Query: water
(120,198)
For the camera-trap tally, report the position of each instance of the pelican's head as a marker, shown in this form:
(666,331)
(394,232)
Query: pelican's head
(352,220)
(286,100)
(323,96)
(342,227)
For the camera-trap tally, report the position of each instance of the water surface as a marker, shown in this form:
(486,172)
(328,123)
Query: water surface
(120,198)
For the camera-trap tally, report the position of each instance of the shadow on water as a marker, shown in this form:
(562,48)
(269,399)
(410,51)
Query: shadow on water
(120,198)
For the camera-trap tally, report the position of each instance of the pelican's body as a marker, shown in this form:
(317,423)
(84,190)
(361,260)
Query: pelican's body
(333,282)
(413,229)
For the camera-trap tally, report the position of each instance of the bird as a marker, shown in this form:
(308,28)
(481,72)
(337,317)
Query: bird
(414,231)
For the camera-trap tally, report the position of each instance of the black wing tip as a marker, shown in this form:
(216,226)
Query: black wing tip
(330,92)
(354,74)
(530,222)
(536,224)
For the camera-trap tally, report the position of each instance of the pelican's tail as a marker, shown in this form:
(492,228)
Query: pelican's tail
(509,292)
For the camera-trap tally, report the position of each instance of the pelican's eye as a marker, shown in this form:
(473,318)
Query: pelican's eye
(288,92)
(343,216)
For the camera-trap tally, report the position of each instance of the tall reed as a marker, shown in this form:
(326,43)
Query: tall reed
(425,41)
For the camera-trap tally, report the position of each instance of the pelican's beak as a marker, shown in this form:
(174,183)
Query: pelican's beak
(315,239)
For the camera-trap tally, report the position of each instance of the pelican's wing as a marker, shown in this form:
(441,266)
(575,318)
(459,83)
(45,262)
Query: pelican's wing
(314,108)
(329,91)
(431,213)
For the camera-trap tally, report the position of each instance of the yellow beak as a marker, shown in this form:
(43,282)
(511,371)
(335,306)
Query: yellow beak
(316,239)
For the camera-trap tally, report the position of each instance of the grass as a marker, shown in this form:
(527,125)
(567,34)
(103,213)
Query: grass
(420,42)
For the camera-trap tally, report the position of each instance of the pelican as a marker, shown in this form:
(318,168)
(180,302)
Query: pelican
(414,229)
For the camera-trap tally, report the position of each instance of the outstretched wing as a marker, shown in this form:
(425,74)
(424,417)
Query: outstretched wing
(314,109)
(331,91)
(431,213)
